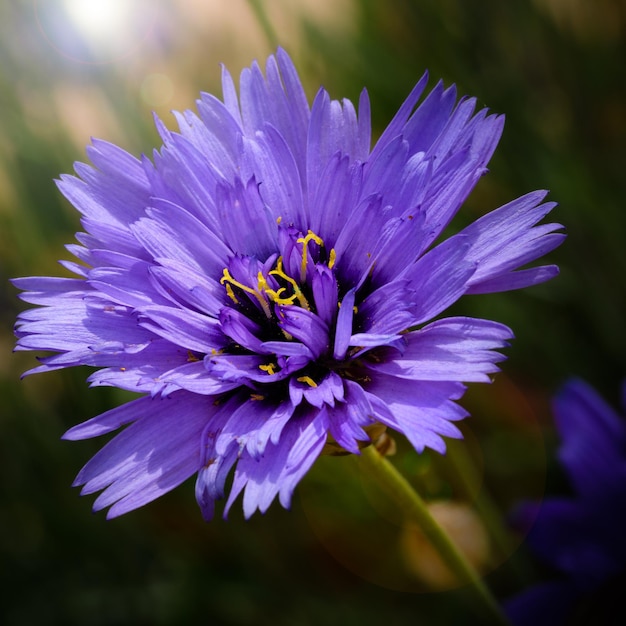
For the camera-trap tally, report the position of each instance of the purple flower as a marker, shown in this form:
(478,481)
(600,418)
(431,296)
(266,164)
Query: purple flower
(269,283)
(581,536)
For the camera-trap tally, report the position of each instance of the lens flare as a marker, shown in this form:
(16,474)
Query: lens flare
(95,31)
(98,18)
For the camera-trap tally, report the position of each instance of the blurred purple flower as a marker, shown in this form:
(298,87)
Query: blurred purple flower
(580,537)
(267,282)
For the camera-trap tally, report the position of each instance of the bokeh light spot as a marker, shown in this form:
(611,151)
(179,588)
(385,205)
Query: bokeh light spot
(98,18)
(157,90)
(95,31)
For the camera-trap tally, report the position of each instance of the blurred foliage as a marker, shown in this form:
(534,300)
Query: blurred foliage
(555,68)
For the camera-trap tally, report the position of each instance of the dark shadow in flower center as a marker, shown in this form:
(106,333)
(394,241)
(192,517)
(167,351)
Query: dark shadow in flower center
(282,318)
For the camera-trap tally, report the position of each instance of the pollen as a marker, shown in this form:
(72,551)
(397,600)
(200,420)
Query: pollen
(297,292)
(231,294)
(270,368)
(332,257)
(310,236)
(274,295)
(227,280)
(308,380)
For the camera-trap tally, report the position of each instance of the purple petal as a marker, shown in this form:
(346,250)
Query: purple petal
(439,279)
(78,325)
(156,453)
(453,349)
(396,125)
(333,129)
(516,280)
(171,232)
(324,391)
(110,421)
(343,329)
(246,368)
(183,327)
(282,467)
(325,294)
(187,287)
(334,197)
(430,118)
(593,448)
(422,411)
(347,419)
(356,244)
(216,134)
(241,329)
(240,205)
(116,193)
(388,310)
(305,326)
(280,187)
(574,539)
(48,290)
(508,238)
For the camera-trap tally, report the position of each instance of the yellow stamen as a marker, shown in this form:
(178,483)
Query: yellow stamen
(332,257)
(227,278)
(279,219)
(308,380)
(270,368)
(296,288)
(273,295)
(256,397)
(231,294)
(310,236)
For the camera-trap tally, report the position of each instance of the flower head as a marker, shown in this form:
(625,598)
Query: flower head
(580,536)
(269,283)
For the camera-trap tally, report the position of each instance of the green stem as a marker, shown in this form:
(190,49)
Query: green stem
(266,25)
(412,504)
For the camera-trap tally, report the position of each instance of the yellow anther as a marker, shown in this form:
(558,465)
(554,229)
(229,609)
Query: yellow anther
(274,295)
(191,357)
(227,278)
(261,282)
(279,219)
(270,368)
(308,380)
(231,294)
(296,288)
(310,236)
(256,397)
(332,257)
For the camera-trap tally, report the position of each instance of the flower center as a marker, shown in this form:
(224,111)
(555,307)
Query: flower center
(277,286)
(289,324)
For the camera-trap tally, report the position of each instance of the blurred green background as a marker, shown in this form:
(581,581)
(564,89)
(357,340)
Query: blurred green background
(554,67)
